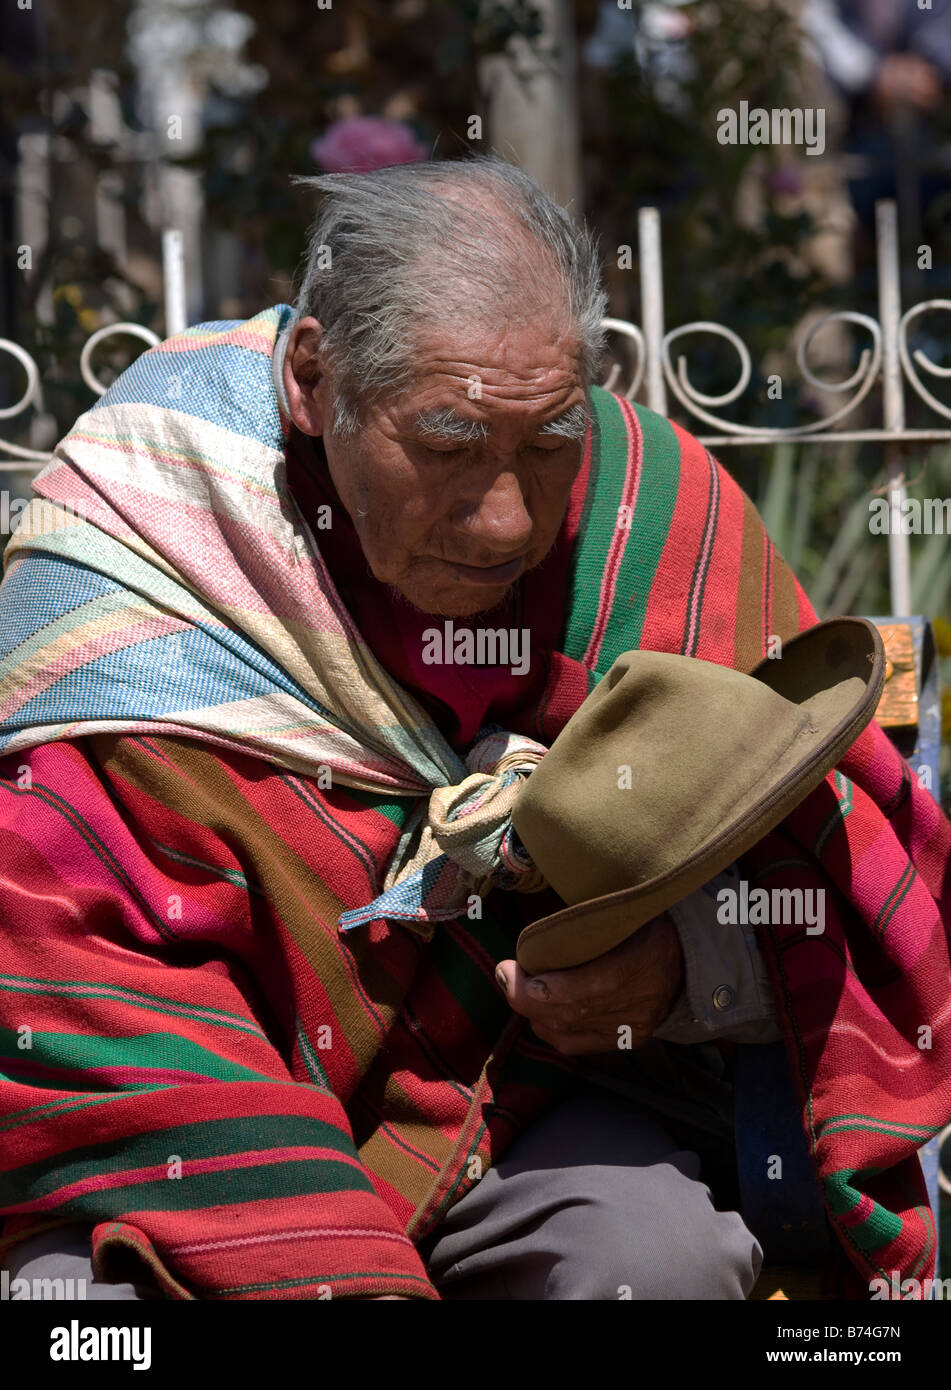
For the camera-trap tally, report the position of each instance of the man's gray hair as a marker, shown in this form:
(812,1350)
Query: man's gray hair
(408,248)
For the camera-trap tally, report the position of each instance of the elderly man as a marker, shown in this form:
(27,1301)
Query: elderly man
(267,1035)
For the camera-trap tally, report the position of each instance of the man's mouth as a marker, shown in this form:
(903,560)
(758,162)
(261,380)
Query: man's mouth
(489,574)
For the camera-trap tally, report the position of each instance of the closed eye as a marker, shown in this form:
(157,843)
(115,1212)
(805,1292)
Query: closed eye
(549,443)
(443,450)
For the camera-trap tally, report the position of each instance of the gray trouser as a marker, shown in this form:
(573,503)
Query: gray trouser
(595,1201)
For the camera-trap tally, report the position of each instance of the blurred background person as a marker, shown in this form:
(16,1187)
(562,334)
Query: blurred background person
(891,62)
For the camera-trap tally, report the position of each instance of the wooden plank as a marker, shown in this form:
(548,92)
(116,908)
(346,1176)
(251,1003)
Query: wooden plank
(898,706)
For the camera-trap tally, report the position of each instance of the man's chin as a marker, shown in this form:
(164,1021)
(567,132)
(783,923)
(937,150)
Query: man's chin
(459,604)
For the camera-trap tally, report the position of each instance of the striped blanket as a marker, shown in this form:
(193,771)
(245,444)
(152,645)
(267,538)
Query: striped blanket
(207,770)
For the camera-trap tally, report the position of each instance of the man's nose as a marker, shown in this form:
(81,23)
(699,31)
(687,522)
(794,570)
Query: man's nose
(497,515)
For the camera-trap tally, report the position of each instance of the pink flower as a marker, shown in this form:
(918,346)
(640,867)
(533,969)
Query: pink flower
(357,144)
(785,179)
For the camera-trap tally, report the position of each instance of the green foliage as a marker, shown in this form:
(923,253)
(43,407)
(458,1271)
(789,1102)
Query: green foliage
(814,500)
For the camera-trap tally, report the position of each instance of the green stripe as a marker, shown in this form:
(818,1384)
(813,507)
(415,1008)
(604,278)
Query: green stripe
(325,817)
(840,1193)
(891,1124)
(901,795)
(651,523)
(363,856)
(837,817)
(381,802)
(49,1108)
(204,1139)
(216,870)
(260,1182)
(88,989)
(608,436)
(387,1275)
(473,990)
(698,579)
(309,1057)
(894,902)
(463,1171)
(879,1127)
(81,1052)
(653,517)
(879,1228)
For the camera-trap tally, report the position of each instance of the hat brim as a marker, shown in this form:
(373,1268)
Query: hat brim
(851,650)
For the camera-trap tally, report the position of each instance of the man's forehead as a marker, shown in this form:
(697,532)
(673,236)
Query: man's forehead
(448,413)
(476,397)
(514,376)
(511,359)
(476,401)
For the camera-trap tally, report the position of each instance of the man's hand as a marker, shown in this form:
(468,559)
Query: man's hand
(581,1010)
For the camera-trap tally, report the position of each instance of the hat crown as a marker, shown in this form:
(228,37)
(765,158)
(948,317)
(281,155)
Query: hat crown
(673,768)
(665,750)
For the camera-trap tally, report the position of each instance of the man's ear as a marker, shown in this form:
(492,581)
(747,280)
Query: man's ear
(304,382)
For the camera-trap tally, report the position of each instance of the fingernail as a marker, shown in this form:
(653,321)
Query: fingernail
(539,989)
(500,978)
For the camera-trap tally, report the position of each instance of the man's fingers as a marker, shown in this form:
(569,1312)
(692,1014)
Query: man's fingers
(579,1029)
(543,997)
(584,984)
(597,987)
(597,980)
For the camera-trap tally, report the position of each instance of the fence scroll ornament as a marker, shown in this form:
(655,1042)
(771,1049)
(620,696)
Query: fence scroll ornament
(33,458)
(886,357)
(862,380)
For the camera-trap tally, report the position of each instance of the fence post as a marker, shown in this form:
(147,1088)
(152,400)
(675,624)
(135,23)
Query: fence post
(173,276)
(652,306)
(893,400)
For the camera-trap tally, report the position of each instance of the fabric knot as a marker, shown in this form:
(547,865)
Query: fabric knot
(462,843)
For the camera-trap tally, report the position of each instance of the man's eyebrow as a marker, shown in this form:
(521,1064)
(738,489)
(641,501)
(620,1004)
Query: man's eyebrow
(573,424)
(447,423)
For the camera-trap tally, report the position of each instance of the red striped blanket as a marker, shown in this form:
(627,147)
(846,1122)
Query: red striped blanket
(199,1065)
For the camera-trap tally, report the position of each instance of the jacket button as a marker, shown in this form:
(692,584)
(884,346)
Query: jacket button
(723,997)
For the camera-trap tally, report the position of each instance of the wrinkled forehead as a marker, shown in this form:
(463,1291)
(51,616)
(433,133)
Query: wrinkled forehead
(508,360)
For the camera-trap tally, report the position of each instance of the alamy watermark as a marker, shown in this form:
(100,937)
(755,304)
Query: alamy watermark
(75,1343)
(40,1290)
(907,516)
(745,906)
(796,125)
(896,1288)
(45,516)
(481,646)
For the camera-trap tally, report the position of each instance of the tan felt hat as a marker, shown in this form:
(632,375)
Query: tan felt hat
(672,768)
